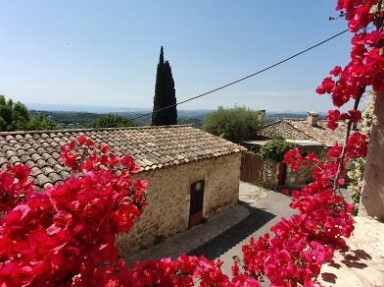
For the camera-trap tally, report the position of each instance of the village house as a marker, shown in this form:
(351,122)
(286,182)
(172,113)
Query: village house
(308,134)
(309,130)
(192,174)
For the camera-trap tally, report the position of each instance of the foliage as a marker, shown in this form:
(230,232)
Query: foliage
(13,116)
(112,121)
(235,124)
(165,95)
(66,120)
(355,176)
(64,235)
(70,119)
(41,122)
(275,149)
(367,115)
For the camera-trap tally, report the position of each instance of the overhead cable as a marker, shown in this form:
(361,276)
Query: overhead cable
(246,77)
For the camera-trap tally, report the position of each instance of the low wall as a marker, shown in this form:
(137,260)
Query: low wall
(270,171)
(293,179)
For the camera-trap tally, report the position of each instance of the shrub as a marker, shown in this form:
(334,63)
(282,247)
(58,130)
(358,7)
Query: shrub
(275,149)
(235,124)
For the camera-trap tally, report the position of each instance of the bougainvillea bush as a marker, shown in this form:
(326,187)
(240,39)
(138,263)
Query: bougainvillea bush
(64,235)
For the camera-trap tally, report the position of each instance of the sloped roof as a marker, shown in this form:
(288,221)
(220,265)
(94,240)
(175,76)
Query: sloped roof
(320,133)
(152,147)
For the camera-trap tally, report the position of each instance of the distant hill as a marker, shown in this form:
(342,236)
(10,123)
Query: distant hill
(184,116)
(70,120)
(75,119)
(74,116)
(276,116)
(79,108)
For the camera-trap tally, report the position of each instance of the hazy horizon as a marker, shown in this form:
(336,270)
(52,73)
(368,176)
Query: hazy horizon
(106,109)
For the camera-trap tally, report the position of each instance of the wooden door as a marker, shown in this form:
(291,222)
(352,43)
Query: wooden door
(282,174)
(196,204)
(251,167)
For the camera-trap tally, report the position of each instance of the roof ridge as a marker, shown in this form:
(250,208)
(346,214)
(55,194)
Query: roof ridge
(4,133)
(294,119)
(300,119)
(269,124)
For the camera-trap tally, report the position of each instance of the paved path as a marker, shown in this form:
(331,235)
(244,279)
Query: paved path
(363,264)
(191,239)
(223,235)
(266,209)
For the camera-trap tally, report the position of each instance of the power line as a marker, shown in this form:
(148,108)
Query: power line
(246,77)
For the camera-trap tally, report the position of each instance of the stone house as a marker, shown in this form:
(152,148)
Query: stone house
(308,134)
(309,130)
(192,174)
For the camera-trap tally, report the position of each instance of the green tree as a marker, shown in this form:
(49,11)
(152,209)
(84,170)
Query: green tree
(112,121)
(275,149)
(235,124)
(13,116)
(41,122)
(165,94)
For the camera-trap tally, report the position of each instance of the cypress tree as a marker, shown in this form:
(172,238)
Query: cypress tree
(165,94)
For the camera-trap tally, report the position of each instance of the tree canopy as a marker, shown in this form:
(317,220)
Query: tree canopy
(165,94)
(16,116)
(41,122)
(112,121)
(236,124)
(13,116)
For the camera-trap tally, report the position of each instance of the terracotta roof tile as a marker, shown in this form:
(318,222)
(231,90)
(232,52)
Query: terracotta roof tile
(152,147)
(319,133)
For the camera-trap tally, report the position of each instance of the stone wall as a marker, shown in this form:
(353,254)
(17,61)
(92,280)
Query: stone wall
(284,130)
(269,173)
(293,179)
(372,193)
(168,197)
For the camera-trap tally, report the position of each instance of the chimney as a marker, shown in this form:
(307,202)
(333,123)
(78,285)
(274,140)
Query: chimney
(312,118)
(261,117)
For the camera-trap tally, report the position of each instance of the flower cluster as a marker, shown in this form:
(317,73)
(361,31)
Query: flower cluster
(335,116)
(14,185)
(302,243)
(65,235)
(184,271)
(366,67)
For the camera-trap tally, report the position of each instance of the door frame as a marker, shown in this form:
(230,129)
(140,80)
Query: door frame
(196,202)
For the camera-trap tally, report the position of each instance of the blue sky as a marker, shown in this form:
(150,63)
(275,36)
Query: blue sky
(104,53)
